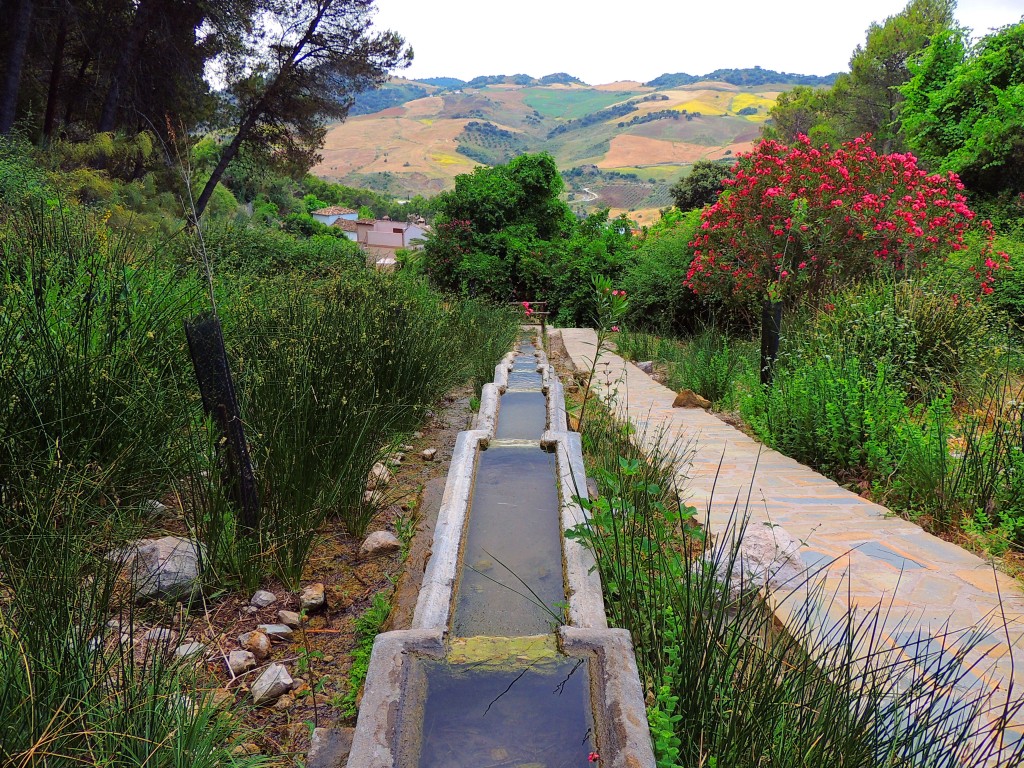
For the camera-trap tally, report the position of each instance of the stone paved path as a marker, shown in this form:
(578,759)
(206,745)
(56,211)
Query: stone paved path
(932,592)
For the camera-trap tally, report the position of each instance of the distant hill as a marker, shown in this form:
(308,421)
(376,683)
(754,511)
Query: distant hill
(485,80)
(560,78)
(619,145)
(443,82)
(390,95)
(748,76)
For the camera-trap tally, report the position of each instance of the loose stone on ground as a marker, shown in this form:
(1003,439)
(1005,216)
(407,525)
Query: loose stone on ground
(256,642)
(380,543)
(273,683)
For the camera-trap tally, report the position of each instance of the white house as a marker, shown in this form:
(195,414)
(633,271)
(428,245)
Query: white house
(332,213)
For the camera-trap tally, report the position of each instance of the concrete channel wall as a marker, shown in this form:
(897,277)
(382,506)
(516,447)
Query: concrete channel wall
(394,694)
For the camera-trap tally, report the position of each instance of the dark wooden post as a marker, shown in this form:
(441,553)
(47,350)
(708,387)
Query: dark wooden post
(210,361)
(771,329)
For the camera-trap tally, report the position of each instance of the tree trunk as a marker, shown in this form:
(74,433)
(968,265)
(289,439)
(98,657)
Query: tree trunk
(125,63)
(56,72)
(77,88)
(21,26)
(229,153)
(771,328)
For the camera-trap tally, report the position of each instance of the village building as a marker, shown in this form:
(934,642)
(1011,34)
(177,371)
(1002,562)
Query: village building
(334,213)
(381,238)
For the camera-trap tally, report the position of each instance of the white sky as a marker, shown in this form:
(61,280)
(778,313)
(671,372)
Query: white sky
(600,41)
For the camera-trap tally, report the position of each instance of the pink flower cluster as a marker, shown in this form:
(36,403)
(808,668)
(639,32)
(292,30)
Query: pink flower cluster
(526,306)
(796,218)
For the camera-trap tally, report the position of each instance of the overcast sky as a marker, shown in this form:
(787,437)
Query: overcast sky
(600,41)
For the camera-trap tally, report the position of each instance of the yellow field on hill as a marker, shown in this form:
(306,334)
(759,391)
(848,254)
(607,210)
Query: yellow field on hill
(639,151)
(428,106)
(399,145)
(759,102)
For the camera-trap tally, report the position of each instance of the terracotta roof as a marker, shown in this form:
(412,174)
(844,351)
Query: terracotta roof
(371,222)
(346,224)
(333,210)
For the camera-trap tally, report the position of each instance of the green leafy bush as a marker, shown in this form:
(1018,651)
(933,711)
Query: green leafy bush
(257,250)
(927,338)
(653,278)
(830,413)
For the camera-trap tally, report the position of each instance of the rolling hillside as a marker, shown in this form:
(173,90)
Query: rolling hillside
(620,145)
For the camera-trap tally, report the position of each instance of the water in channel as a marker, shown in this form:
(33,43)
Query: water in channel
(535,715)
(514,699)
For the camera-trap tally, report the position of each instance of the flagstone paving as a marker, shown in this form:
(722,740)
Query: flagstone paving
(932,593)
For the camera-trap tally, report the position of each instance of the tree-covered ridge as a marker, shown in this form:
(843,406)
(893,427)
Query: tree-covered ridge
(746,76)
(391,95)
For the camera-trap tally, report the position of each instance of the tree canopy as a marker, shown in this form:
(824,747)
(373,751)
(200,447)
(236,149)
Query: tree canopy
(701,187)
(867,100)
(496,230)
(964,109)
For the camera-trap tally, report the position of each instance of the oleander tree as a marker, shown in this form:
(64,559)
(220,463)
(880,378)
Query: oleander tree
(796,220)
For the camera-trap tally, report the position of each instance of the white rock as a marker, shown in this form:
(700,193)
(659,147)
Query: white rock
(407,448)
(767,555)
(241,661)
(374,498)
(428,454)
(313,598)
(379,543)
(188,649)
(160,635)
(417,435)
(256,642)
(379,477)
(276,631)
(263,598)
(271,685)
(168,566)
(155,508)
(290,618)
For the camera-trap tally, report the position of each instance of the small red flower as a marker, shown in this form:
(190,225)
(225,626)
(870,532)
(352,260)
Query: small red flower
(593,757)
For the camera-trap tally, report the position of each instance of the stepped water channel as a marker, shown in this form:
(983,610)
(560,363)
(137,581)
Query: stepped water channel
(510,661)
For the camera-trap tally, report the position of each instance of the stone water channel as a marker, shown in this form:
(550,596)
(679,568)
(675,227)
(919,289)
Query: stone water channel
(509,662)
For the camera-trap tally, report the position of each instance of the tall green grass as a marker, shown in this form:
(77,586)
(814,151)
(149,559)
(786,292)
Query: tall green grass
(710,362)
(332,374)
(727,687)
(834,414)
(90,323)
(76,689)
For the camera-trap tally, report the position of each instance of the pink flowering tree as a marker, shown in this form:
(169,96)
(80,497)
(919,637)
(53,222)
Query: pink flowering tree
(795,220)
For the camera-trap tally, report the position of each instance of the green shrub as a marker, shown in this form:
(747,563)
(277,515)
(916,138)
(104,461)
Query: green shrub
(252,249)
(331,374)
(653,278)
(926,337)
(830,413)
(712,364)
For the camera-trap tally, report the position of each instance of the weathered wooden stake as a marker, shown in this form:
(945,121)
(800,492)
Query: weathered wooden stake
(210,361)
(771,329)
